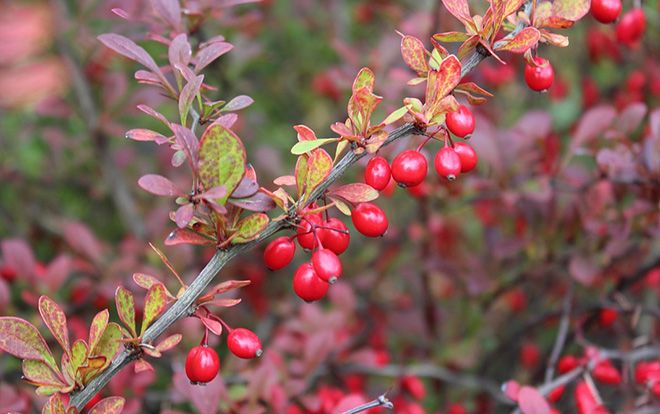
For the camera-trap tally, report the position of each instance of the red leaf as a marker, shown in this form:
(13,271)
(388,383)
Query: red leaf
(531,401)
(459,9)
(356,192)
(226,121)
(18,255)
(169,10)
(593,123)
(188,95)
(55,319)
(238,103)
(141,134)
(183,215)
(441,82)
(185,236)
(522,42)
(210,53)
(187,141)
(631,117)
(158,185)
(305,133)
(128,48)
(21,339)
(414,54)
(179,52)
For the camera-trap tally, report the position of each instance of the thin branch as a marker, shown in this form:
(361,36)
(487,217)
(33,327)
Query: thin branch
(562,333)
(182,306)
(381,401)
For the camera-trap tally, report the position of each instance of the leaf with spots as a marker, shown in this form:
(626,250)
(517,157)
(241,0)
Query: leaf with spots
(55,319)
(96,329)
(301,174)
(440,83)
(154,304)
(414,54)
(221,159)
(40,374)
(459,9)
(126,308)
(356,192)
(109,344)
(522,42)
(56,404)
(571,9)
(110,405)
(92,367)
(360,107)
(249,228)
(320,165)
(78,357)
(364,79)
(21,339)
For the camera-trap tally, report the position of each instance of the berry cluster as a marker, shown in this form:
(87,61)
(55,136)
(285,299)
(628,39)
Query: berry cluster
(326,239)
(203,363)
(629,29)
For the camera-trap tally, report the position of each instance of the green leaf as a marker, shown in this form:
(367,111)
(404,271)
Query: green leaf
(364,79)
(450,37)
(108,345)
(356,192)
(154,304)
(306,146)
(395,116)
(55,320)
(78,357)
(40,374)
(21,339)
(126,308)
(319,167)
(249,228)
(221,160)
(110,405)
(96,329)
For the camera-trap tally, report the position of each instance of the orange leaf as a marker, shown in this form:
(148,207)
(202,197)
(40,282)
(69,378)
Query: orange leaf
(459,9)
(523,41)
(110,405)
(414,54)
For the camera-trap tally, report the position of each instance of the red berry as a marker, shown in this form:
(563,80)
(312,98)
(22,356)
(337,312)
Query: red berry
(308,285)
(461,122)
(631,27)
(202,364)
(8,273)
(307,230)
(647,372)
(605,11)
(369,220)
(529,355)
(539,77)
(556,393)
(567,363)
(279,253)
(468,156)
(606,373)
(409,168)
(585,400)
(244,343)
(326,265)
(378,173)
(607,317)
(335,235)
(448,163)
(414,386)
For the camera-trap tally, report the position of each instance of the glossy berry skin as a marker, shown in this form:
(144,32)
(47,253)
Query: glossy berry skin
(539,78)
(326,265)
(448,163)
(631,27)
(607,317)
(336,240)
(308,285)
(461,122)
(605,11)
(606,373)
(378,173)
(409,168)
(468,156)
(202,364)
(306,237)
(244,343)
(279,253)
(369,220)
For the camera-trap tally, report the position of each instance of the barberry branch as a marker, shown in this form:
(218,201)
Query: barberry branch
(381,401)
(184,304)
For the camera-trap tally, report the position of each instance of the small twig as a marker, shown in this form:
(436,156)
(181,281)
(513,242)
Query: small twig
(562,333)
(381,401)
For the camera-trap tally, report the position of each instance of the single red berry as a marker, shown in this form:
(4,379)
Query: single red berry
(409,168)
(456,408)
(369,220)
(607,317)
(606,373)
(646,371)
(279,253)
(244,343)
(414,386)
(202,364)
(461,122)
(308,285)
(529,355)
(326,265)
(631,27)
(541,76)
(448,163)
(585,400)
(335,236)
(378,173)
(567,363)
(605,11)
(307,231)
(468,156)
(556,394)
(8,273)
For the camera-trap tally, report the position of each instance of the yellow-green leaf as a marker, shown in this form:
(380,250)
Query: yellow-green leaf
(319,166)
(39,373)
(249,228)
(154,304)
(55,319)
(110,405)
(414,54)
(356,192)
(364,79)
(21,339)
(450,37)
(56,404)
(79,353)
(302,147)
(301,174)
(96,329)
(571,9)
(221,159)
(395,115)
(126,308)
(109,344)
